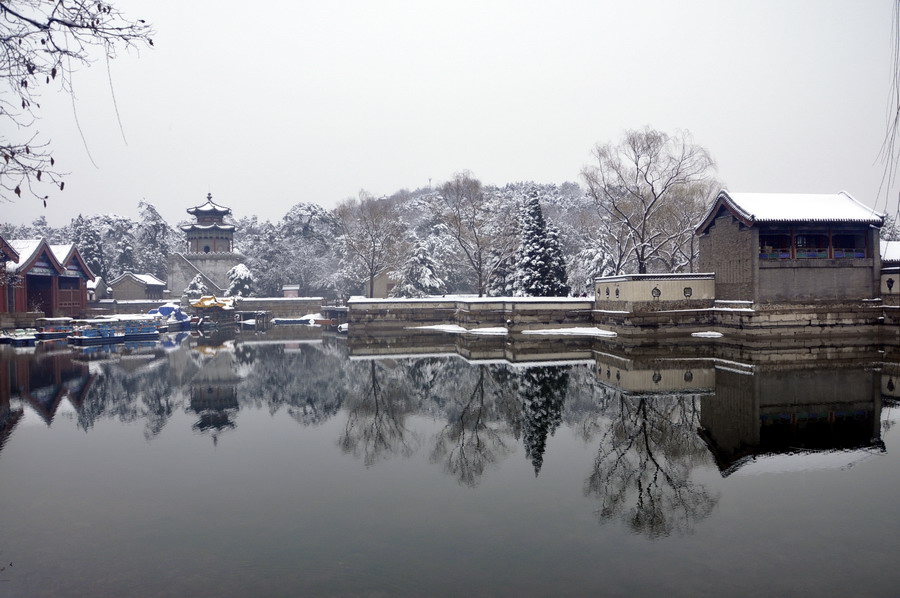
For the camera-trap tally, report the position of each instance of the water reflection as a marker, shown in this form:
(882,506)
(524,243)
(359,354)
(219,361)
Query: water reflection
(649,447)
(754,418)
(652,420)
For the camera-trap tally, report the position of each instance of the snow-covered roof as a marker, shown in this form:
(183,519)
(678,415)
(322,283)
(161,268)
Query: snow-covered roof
(28,249)
(62,252)
(792,207)
(210,207)
(7,250)
(145,279)
(222,227)
(149,279)
(890,251)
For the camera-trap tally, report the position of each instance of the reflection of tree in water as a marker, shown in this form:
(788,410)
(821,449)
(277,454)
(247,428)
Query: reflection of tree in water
(306,381)
(147,393)
(376,408)
(543,392)
(642,470)
(472,439)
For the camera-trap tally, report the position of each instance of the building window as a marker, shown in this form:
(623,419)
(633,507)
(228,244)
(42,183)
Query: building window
(775,247)
(849,245)
(812,245)
(206,249)
(68,282)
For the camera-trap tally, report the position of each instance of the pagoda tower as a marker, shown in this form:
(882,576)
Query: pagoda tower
(209,234)
(209,251)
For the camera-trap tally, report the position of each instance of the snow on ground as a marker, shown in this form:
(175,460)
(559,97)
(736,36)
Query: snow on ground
(572,332)
(456,329)
(707,334)
(473,299)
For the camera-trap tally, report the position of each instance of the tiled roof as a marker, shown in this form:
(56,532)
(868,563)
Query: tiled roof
(792,207)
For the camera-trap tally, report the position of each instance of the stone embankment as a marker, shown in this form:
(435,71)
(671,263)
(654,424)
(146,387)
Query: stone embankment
(513,313)
(862,322)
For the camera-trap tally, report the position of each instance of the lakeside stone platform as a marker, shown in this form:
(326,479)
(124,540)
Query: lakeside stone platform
(738,322)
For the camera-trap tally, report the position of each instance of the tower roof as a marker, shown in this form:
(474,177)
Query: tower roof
(210,208)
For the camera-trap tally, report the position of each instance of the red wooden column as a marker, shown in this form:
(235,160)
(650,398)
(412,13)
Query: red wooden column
(54,297)
(21,296)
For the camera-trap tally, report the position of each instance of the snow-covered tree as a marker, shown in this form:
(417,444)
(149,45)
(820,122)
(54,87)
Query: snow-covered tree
(540,266)
(124,257)
(638,184)
(240,282)
(476,221)
(196,288)
(154,241)
(418,275)
(890,231)
(89,243)
(372,236)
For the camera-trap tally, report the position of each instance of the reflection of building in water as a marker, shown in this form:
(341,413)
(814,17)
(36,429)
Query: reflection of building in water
(43,382)
(890,381)
(214,393)
(9,417)
(472,347)
(655,376)
(767,413)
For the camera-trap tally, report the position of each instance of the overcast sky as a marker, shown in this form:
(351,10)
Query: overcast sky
(270,104)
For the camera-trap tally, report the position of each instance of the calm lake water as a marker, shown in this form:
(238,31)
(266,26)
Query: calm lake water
(441,466)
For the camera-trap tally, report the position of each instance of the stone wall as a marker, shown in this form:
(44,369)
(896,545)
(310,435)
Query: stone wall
(890,293)
(128,288)
(512,313)
(755,326)
(731,250)
(19,319)
(282,307)
(807,280)
(655,292)
(183,267)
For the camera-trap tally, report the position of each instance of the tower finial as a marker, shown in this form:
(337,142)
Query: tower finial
(209,196)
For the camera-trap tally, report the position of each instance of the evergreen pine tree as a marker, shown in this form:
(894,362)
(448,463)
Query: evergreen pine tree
(543,393)
(541,269)
(89,243)
(196,288)
(556,259)
(240,282)
(418,276)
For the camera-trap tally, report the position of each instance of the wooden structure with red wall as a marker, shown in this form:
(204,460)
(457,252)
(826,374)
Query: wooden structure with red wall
(50,279)
(7,254)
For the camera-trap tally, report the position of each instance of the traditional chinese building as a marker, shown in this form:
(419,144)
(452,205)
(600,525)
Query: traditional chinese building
(791,248)
(136,286)
(48,278)
(209,252)
(7,255)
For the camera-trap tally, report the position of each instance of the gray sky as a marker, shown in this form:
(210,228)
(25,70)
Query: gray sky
(312,101)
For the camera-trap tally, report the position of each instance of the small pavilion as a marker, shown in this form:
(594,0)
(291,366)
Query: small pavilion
(48,278)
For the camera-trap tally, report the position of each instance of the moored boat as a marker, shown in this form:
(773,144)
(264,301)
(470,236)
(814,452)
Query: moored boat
(53,328)
(23,337)
(96,332)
